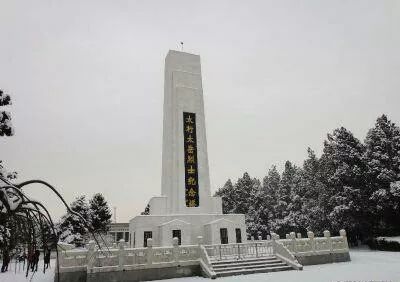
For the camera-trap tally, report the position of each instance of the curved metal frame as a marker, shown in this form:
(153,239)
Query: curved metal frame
(34,211)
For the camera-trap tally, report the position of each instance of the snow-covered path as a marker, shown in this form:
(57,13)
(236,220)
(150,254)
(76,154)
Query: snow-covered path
(365,266)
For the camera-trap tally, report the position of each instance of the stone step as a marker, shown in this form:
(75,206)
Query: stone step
(253,270)
(225,261)
(245,267)
(244,263)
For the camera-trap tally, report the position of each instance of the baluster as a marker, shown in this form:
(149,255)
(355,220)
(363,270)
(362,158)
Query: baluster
(149,252)
(260,244)
(273,243)
(293,238)
(327,235)
(90,255)
(199,243)
(175,250)
(256,249)
(342,233)
(121,254)
(310,236)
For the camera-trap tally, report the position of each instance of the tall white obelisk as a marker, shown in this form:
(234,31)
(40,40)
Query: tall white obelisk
(185,208)
(185,174)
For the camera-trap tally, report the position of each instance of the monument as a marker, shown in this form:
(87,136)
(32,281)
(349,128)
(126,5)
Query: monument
(185,208)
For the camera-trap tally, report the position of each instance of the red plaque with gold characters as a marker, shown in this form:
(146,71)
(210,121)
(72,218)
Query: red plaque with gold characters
(190,147)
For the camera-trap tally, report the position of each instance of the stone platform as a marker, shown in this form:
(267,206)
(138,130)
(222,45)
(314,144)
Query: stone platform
(191,226)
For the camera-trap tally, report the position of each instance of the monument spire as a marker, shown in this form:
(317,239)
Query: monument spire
(185,208)
(185,175)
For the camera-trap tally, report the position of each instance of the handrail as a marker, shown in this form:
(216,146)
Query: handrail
(285,255)
(205,263)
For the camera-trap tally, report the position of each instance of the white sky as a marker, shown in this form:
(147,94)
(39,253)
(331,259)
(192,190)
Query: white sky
(86,78)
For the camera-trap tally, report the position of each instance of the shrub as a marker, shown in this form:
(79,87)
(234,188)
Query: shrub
(383,245)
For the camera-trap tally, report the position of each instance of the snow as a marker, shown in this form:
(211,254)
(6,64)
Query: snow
(390,239)
(366,265)
(19,275)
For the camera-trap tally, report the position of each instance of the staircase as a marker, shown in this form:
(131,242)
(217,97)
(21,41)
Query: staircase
(248,266)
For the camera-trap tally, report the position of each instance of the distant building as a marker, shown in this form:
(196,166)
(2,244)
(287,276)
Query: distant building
(118,231)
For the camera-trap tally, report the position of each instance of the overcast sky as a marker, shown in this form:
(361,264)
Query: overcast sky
(86,78)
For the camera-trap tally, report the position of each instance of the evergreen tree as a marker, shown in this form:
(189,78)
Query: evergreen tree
(284,206)
(5,116)
(244,193)
(239,198)
(264,215)
(100,214)
(72,228)
(382,156)
(226,193)
(343,171)
(310,191)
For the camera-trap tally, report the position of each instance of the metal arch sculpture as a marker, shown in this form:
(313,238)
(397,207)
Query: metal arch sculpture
(31,215)
(27,216)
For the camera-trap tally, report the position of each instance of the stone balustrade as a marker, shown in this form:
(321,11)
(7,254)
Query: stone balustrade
(295,250)
(317,250)
(313,245)
(121,258)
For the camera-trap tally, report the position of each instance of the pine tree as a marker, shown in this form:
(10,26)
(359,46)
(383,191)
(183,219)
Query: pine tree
(284,206)
(382,156)
(343,169)
(239,198)
(244,192)
(100,214)
(264,214)
(226,193)
(310,191)
(5,116)
(72,228)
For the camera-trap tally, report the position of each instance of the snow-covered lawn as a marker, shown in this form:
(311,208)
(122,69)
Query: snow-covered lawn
(365,266)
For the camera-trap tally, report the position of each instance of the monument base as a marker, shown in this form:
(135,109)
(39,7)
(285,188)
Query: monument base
(214,228)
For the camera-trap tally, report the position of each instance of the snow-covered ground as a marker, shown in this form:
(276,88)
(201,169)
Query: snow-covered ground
(395,239)
(365,266)
(17,274)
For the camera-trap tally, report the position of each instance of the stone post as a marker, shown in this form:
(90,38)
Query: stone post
(274,237)
(121,254)
(310,236)
(199,243)
(175,252)
(343,234)
(287,236)
(260,238)
(199,240)
(149,251)
(292,236)
(268,237)
(91,255)
(298,235)
(327,235)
